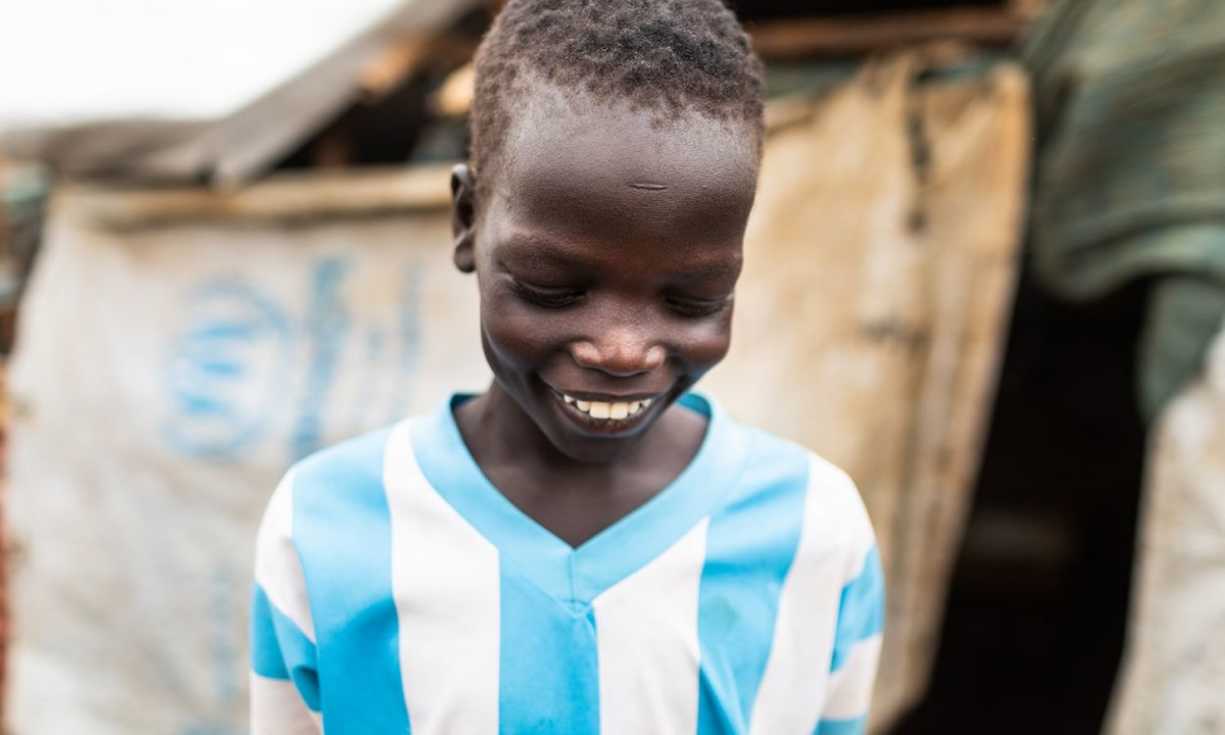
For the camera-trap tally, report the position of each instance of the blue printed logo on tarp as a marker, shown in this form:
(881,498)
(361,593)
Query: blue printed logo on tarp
(225,369)
(232,370)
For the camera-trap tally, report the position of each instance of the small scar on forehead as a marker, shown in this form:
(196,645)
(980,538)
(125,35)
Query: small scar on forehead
(647,186)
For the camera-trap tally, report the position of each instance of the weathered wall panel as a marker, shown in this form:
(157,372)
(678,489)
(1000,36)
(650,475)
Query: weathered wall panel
(880,268)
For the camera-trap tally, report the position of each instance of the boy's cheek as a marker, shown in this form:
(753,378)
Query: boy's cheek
(706,355)
(519,333)
(706,344)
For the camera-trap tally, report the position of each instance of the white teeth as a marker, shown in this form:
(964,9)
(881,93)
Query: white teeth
(607,410)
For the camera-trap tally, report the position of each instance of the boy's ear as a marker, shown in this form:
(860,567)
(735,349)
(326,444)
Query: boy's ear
(463,217)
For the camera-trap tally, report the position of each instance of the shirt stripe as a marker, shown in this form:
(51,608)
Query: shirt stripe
(446,583)
(749,550)
(342,531)
(549,665)
(835,528)
(648,643)
(860,613)
(855,726)
(282,631)
(278,570)
(850,687)
(280,650)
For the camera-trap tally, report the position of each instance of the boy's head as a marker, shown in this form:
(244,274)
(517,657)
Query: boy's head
(614,162)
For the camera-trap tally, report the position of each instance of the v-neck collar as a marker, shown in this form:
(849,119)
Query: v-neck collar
(576,576)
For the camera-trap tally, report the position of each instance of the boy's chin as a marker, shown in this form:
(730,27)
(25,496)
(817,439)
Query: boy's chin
(593,451)
(582,444)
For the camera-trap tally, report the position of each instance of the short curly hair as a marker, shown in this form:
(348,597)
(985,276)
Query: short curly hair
(666,56)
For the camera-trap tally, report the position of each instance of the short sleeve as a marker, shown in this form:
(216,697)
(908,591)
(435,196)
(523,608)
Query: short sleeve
(857,644)
(285,697)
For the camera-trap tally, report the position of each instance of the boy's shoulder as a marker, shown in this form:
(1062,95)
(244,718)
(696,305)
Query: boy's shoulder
(348,471)
(772,462)
(335,493)
(362,453)
(763,444)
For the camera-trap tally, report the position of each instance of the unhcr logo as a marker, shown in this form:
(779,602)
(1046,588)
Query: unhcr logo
(247,369)
(227,367)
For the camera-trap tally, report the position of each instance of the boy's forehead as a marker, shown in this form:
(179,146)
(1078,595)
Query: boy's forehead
(566,145)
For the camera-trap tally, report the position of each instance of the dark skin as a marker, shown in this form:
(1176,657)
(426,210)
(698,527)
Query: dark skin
(606,247)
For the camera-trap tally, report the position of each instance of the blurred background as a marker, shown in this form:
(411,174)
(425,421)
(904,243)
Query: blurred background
(985,276)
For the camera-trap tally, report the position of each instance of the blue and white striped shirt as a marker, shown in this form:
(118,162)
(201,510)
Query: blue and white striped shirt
(397,591)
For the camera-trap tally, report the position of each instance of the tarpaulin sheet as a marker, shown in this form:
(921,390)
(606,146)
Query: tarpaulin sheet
(1131,168)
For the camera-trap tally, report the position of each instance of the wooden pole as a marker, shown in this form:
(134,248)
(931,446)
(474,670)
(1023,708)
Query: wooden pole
(853,36)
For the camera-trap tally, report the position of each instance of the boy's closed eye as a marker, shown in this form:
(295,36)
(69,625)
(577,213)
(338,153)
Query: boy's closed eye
(561,297)
(548,297)
(695,307)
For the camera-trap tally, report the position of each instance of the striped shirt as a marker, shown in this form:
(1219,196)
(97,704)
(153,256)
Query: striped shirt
(397,591)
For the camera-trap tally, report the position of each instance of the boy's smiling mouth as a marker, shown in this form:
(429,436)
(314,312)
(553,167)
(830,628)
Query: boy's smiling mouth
(606,414)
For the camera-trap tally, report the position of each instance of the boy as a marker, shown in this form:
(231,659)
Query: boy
(587,547)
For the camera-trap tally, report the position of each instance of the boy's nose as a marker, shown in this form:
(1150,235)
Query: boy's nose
(621,354)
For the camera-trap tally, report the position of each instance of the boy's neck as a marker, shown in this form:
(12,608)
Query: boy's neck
(575,500)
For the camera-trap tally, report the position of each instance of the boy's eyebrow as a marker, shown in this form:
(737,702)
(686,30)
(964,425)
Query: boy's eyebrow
(711,270)
(541,251)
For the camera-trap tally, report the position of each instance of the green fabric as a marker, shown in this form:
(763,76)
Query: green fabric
(1184,314)
(1130,170)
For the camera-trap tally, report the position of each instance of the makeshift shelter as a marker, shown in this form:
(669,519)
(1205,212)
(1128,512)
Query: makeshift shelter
(242,328)
(1130,101)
